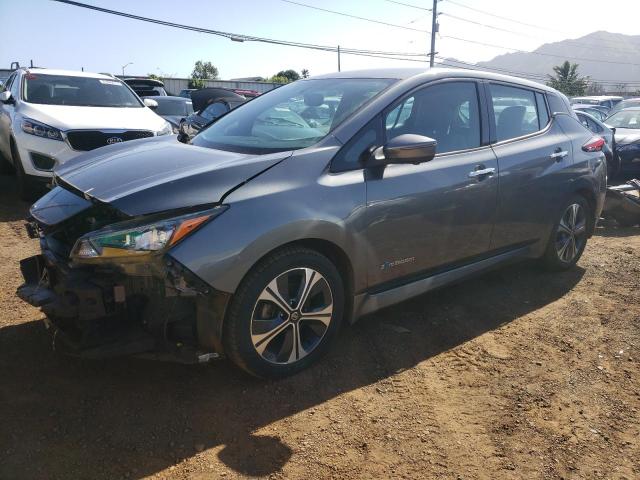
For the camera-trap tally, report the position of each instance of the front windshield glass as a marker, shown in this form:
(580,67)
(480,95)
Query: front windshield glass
(78,91)
(173,107)
(625,119)
(295,116)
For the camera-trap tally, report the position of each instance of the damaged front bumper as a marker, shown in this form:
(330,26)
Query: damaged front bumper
(157,309)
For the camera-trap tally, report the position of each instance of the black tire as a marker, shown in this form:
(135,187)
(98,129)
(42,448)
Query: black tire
(5,166)
(555,258)
(251,320)
(27,191)
(613,166)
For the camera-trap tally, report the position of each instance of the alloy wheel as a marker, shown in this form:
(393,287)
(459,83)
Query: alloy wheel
(291,316)
(571,234)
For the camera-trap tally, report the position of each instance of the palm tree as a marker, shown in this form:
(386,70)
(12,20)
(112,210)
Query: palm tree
(567,80)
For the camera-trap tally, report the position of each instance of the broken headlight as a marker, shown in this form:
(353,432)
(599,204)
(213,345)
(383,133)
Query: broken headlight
(126,240)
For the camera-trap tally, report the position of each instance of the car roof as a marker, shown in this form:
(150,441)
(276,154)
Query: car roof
(67,73)
(431,74)
(150,82)
(598,97)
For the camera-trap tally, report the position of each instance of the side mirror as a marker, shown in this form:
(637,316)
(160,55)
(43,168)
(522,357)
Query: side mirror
(5,97)
(407,148)
(150,102)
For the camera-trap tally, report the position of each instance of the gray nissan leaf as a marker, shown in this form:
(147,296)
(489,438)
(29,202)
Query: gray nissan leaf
(309,207)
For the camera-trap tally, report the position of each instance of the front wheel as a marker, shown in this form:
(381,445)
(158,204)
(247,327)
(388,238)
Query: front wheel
(569,235)
(285,313)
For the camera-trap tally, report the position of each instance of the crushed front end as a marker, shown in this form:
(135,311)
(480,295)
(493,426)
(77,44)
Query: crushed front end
(109,286)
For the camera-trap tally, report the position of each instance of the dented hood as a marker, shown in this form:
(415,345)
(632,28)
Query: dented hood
(155,175)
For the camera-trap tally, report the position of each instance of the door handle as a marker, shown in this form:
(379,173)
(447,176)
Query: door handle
(559,154)
(482,172)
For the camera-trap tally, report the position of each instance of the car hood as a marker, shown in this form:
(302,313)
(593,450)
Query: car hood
(627,135)
(65,117)
(160,174)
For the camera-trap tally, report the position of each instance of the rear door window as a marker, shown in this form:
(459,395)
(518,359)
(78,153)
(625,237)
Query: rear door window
(447,112)
(515,111)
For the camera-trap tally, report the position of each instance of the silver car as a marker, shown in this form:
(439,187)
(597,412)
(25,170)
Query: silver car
(308,207)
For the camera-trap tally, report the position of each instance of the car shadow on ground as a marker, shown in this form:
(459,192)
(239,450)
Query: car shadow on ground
(68,418)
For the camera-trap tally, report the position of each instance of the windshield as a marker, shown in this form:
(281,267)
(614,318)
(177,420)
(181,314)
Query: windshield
(77,91)
(174,107)
(625,119)
(295,116)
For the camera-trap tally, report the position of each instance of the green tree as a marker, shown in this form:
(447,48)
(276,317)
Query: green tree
(279,79)
(202,71)
(153,76)
(305,73)
(291,75)
(567,80)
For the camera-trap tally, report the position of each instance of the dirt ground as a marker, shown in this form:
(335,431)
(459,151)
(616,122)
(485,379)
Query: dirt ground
(516,374)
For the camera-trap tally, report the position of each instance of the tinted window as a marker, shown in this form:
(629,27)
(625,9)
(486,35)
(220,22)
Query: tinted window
(77,91)
(543,112)
(447,112)
(556,104)
(173,107)
(7,84)
(589,123)
(214,110)
(515,111)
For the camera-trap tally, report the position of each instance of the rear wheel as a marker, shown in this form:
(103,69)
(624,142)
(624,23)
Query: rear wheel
(569,235)
(285,313)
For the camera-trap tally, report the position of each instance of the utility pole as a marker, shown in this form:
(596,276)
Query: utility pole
(434,30)
(338,57)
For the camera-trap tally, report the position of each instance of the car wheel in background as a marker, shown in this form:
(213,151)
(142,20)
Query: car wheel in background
(26,189)
(569,235)
(285,313)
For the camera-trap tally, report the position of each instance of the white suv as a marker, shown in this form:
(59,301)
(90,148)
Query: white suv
(50,116)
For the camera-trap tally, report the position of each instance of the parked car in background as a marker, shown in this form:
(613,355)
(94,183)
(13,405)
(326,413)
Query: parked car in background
(608,134)
(607,101)
(173,109)
(186,92)
(146,87)
(48,116)
(629,102)
(246,93)
(627,137)
(267,232)
(594,110)
(208,105)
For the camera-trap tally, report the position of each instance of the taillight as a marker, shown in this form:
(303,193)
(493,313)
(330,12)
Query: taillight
(594,144)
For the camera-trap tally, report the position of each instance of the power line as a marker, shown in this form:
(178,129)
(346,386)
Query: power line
(371,20)
(593,60)
(242,37)
(508,19)
(493,27)
(401,56)
(410,5)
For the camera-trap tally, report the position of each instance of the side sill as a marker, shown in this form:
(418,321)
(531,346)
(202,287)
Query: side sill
(366,303)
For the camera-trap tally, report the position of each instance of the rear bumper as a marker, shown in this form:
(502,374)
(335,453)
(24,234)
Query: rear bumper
(99,313)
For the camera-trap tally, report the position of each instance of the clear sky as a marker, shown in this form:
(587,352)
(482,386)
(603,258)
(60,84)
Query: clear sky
(56,35)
